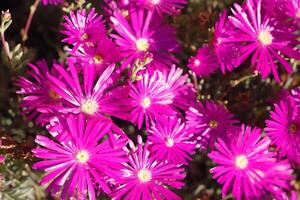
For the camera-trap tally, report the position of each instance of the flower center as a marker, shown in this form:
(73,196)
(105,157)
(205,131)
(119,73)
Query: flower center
(84,36)
(213,124)
(82,156)
(293,128)
(155,2)
(169,142)
(197,62)
(142,44)
(98,59)
(53,94)
(89,106)
(241,161)
(144,175)
(146,102)
(265,37)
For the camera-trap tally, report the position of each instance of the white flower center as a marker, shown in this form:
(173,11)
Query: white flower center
(142,44)
(98,59)
(82,156)
(155,2)
(89,106)
(265,37)
(144,175)
(241,161)
(197,62)
(169,142)
(146,102)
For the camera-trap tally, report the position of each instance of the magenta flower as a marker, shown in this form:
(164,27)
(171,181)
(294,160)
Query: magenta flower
(100,54)
(169,141)
(142,34)
(205,62)
(222,45)
(283,128)
(52,2)
(93,96)
(150,98)
(83,28)
(163,6)
(143,177)
(208,122)
(39,100)
(183,91)
(242,164)
(292,9)
(85,158)
(111,6)
(262,38)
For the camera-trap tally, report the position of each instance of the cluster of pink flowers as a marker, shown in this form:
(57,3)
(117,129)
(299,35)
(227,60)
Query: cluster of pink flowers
(129,76)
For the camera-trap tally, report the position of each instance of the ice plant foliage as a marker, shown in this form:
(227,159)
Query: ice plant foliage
(120,74)
(245,165)
(143,177)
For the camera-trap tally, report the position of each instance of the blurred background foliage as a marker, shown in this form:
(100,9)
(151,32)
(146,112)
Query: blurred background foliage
(244,94)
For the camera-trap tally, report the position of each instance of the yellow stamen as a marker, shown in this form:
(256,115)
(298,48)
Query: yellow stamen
(213,124)
(146,102)
(169,142)
(98,59)
(89,106)
(241,161)
(82,156)
(53,94)
(142,44)
(265,37)
(144,175)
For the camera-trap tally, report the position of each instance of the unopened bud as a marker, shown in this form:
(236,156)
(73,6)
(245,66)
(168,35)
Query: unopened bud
(6,16)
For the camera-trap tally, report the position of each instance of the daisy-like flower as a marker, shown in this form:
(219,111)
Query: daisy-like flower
(183,91)
(205,62)
(83,28)
(163,6)
(150,98)
(100,54)
(143,177)
(242,164)
(208,122)
(170,141)
(38,98)
(223,31)
(110,6)
(141,34)
(85,158)
(93,95)
(292,9)
(262,38)
(52,2)
(283,128)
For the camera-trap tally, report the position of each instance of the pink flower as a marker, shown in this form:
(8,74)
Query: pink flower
(52,2)
(163,6)
(283,128)
(142,33)
(170,141)
(83,28)
(143,177)
(86,157)
(209,121)
(245,165)
(150,98)
(205,62)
